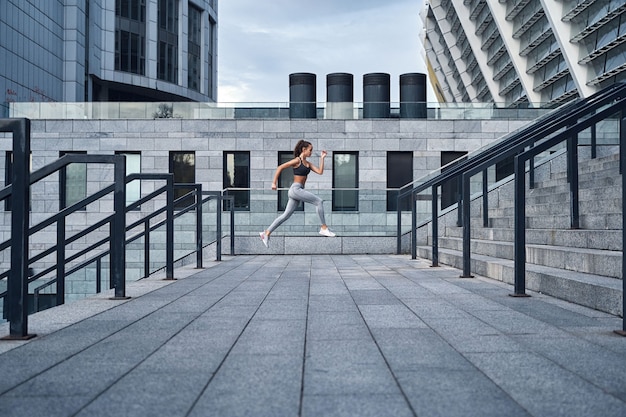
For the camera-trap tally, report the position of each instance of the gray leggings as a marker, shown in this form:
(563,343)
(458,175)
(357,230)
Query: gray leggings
(296,194)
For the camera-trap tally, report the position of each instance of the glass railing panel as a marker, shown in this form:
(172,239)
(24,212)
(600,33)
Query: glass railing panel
(276,110)
(369,218)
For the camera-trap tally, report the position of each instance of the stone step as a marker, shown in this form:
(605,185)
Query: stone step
(607,205)
(590,261)
(592,166)
(558,195)
(610,221)
(582,238)
(593,291)
(604,177)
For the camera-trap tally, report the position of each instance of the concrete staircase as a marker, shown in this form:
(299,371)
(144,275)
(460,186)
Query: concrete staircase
(583,266)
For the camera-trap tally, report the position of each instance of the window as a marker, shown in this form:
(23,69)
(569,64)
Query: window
(399,174)
(194,58)
(167,65)
(133,166)
(211,53)
(284,181)
(73,182)
(450,188)
(183,166)
(345,178)
(130,36)
(237,175)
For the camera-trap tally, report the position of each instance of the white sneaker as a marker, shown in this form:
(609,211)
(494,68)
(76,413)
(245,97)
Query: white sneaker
(265,238)
(327,232)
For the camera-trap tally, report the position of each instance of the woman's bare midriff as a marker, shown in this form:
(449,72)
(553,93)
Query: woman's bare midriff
(300,179)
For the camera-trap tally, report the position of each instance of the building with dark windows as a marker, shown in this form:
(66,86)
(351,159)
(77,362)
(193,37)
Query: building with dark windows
(122,50)
(524,52)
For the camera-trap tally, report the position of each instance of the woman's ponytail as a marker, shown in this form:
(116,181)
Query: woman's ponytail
(299,146)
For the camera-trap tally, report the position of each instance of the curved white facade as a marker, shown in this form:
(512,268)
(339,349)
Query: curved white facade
(541,52)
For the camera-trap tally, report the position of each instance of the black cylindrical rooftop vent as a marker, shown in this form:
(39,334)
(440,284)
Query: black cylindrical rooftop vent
(413,95)
(376,95)
(302,99)
(339,95)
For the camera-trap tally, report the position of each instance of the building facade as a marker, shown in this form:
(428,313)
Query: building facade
(524,52)
(122,50)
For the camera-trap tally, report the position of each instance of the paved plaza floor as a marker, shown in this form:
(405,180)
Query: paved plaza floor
(323,335)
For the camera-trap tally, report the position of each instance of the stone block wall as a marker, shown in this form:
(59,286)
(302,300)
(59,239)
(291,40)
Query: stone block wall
(263,138)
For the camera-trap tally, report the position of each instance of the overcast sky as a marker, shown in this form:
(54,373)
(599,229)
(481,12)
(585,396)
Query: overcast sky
(261,42)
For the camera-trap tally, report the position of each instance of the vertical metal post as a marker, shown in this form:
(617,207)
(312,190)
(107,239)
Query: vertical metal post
(99,275)
(531,170)
(118,232)
(199,241)
(232,225)
(485,199)
(399,227)
(572,163)
(218,228)
(520,229)
(413,226)
(435,223)
(146,248)
(594,140)
(169,229)
(17,285)
(622,158)
(459,201)
(60,262)
(467,229)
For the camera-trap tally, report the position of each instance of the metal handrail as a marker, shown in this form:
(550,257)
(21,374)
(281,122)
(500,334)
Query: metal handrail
(98,258)
(16,301)
(523,146)
(20,275)
(512,144)
(145,220)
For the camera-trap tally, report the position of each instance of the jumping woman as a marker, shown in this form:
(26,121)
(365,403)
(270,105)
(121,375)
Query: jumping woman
(297,193)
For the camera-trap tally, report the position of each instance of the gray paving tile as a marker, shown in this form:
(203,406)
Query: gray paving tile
(455,393)
(545,388)
(362,405)
(322,335)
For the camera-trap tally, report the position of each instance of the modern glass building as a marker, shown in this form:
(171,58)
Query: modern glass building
(115,50)
(524,52)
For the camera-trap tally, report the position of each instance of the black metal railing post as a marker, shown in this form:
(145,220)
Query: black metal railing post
(146,248)
(232,225)
(17,285)
(594,140)
(218,228)
(199,226)
(531,170)
(622,145)
(118,237)
(435,221)
(459,201)
(485,199)
(572,164)
(60,262)
(399,225)
(413,226)
(520,229)
(169,229)
(467,227)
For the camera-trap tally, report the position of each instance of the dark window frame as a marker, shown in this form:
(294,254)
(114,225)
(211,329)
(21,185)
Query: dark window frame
(398,175)
(341,195)
(239,179)
(182,177)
